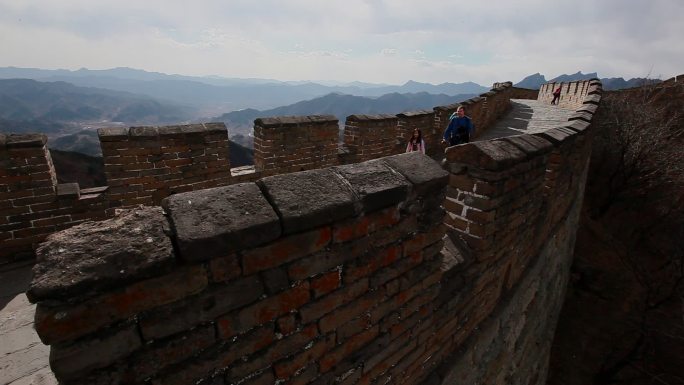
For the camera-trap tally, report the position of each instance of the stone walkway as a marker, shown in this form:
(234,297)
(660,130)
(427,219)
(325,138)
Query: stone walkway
(527,117)
(23,358)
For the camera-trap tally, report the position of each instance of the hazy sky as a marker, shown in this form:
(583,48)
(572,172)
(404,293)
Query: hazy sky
(389,41)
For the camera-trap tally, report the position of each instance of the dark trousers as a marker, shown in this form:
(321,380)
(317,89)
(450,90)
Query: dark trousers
(459,139)
(555,99)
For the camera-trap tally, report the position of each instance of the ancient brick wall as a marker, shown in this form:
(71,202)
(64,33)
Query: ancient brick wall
(573,94)
(331,275)
(297,143)
(143,165)
(524,93)
(370,137)
(512,212)
(32,204)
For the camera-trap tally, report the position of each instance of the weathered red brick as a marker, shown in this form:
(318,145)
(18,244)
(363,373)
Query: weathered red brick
(288,367)
(264,311)
(225,268)
(285,250)
(334,357)
(325,283)
(330,302)
(55,324)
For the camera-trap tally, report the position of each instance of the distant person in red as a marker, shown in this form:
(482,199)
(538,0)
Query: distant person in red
(556,95)
(416,143)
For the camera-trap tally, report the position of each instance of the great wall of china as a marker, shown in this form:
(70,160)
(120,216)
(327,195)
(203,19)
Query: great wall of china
(326,263)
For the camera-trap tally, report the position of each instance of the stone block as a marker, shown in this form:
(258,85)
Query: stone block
(426,175)
(375,184)
(112,134)
(578,125)
(309,199)
(68,190)
(25,140)
(488,155)
(96,256)
(215,222)
(531,145)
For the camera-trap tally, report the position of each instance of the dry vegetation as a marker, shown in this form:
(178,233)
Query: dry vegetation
(623,320)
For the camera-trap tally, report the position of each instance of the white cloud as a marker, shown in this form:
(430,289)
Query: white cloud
(368,40)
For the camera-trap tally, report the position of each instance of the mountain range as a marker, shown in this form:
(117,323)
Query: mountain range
(59,102)
(534,81)
(214,95)
(241,122)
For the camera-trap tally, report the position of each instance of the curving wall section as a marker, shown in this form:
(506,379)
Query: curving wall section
(394,270)
(143,165)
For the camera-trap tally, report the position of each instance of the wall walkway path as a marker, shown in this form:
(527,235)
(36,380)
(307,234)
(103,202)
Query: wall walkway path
(527,117)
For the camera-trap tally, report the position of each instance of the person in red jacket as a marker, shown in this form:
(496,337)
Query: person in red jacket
(556,96)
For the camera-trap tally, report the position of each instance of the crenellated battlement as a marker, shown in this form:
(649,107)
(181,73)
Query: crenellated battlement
(397,269)
(143,165)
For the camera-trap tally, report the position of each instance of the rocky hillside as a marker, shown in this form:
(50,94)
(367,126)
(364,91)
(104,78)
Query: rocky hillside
(623,319)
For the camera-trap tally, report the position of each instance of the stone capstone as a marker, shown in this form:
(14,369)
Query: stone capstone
(215,222)
(375,184)
(424,173)
(309,199)
(95,256)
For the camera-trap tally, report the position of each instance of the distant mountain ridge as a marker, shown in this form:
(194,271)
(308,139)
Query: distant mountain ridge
(535,81)
(241,122)
(226,94)
(27,100)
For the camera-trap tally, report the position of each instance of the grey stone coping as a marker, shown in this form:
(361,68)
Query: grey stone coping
(588,108)
(493,155)
(22,140)
(218,221)
(68,190)
(578,125)
(530,144)
(309,199)
(120,133)
(581,115)
(94,190)
(362,117)
(447,107)
(471,101)
(95,256)
(284,121)
(593,99)
(425,174)
(554,135)
(413,114)
(375,184)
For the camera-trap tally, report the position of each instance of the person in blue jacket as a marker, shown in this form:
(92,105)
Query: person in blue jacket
(460,128)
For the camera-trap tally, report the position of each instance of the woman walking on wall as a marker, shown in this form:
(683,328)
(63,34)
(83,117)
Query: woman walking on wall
(416,143)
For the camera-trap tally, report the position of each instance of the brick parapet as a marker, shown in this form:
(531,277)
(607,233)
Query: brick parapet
(510,203)
(143,165)
(289,144)
(299,289)
(371,136)
(32,204)
(573,94)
